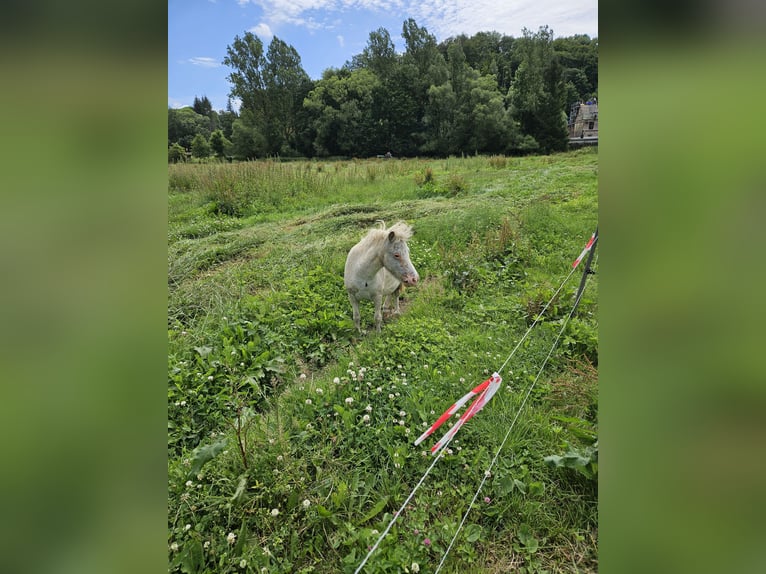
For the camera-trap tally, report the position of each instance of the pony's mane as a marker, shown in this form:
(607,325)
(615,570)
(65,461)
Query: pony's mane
(400,229)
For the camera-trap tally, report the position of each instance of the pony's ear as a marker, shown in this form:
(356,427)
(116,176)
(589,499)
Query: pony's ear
(391,235)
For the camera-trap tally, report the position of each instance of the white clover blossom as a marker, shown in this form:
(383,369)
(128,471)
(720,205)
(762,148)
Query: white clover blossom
(368,408)
(366,418)
(206,545)
(349,400)
(319,391)
(231,538)
(275,511)
(336,380)
(303,376)
(187,527)
(415,567)
(306,503)
(174,547)
(243,563)
(308,401)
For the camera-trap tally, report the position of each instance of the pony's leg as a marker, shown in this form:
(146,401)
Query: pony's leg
(355,308)
(378,300)
(395,295)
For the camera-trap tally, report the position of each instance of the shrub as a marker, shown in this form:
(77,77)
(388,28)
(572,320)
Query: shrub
(498,161)
(176,153)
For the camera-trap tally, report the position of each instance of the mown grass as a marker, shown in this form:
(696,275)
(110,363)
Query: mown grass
(290,436)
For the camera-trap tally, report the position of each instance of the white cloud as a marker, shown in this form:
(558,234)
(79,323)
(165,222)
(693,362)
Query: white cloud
(445,18)
(262,30)
(205,62)
(174,103)
(341,41)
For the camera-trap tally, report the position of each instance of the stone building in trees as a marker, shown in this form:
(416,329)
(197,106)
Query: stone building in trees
(583,122)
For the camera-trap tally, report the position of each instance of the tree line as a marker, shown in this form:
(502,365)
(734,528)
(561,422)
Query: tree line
(487,93)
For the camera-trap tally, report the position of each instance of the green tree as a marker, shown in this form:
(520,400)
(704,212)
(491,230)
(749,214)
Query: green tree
(247,139)
(286,85)
(202,106)
(341,107)
(184,124)
(404,97)
(245,57)
(218,143)
(440,121)
(200,147)
(176,153)
(579,52)
(271,88)
(538,93)
(226,119)
(379,55)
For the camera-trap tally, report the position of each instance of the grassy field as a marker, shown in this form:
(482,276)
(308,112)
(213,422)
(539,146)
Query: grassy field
(290,436)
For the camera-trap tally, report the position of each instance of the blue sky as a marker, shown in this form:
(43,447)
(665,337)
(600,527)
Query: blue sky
(327,33)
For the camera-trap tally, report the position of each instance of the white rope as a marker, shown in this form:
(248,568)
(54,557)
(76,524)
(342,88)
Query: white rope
(536,321)
(488,472)
(398,513)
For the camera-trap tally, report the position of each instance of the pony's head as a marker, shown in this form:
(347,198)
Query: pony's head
(396,254)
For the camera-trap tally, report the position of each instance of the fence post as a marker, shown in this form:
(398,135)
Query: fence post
(586,271)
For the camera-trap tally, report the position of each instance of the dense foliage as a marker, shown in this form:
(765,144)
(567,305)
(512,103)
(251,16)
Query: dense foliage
(487,93)
(290,436)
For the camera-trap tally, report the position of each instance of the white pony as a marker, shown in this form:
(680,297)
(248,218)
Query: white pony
(377,266)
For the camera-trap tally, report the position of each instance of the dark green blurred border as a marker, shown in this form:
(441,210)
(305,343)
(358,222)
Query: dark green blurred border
(682,196)
(83,312)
